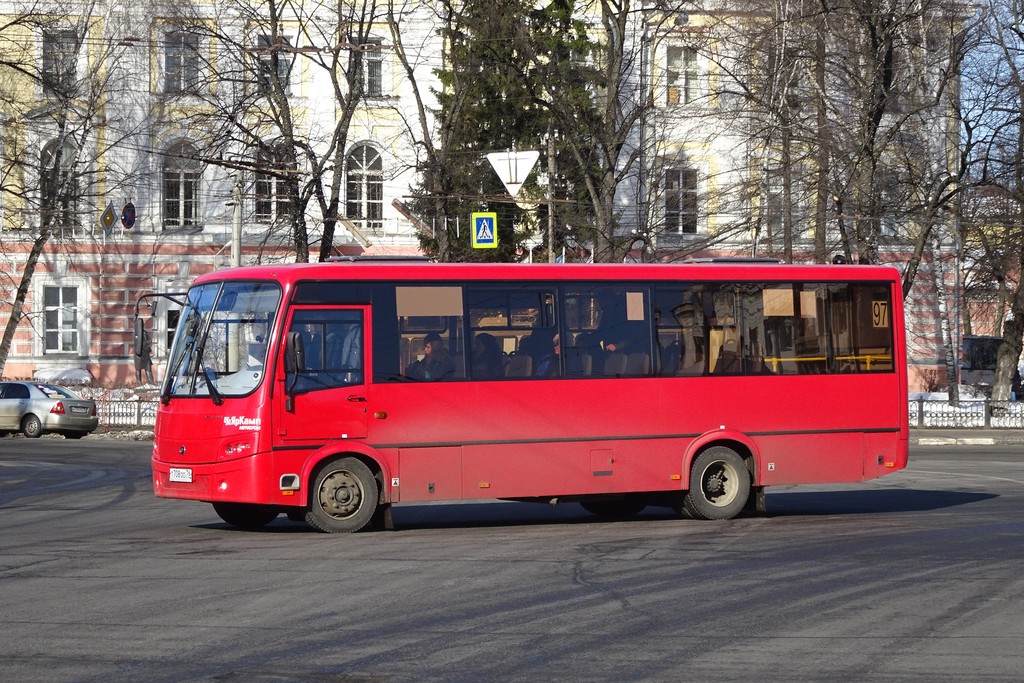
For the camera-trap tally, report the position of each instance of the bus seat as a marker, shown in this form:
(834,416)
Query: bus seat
(729,361)
(460,367)
(615,364)
(403,352)
(519,365)
(671,356)
(416,348)
(638,364)
(578,363)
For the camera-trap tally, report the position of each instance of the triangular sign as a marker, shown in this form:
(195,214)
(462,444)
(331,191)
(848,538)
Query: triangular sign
(513,168)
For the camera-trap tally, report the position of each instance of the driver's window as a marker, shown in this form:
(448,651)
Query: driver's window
(331,349)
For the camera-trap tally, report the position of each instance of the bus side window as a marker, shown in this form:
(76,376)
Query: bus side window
(862,327)
(681,328)
(608,330)
(332,350)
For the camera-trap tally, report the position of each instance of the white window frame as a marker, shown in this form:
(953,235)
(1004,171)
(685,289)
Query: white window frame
(82,327)
(188,80)
(373,68)
(269,191)
(286,61)
(681,75)
(679,221)
(72,209)
(46,58)
(176,167)
(366,178)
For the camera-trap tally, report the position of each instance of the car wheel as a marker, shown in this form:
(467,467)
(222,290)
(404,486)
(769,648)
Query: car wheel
(31,427)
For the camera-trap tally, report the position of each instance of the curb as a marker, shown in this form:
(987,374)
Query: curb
(950,441)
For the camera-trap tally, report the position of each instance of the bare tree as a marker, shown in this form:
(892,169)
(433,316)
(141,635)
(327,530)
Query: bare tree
(52,109)
(994,87)
(288,153)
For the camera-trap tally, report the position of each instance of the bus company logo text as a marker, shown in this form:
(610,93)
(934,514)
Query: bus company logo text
(246,424)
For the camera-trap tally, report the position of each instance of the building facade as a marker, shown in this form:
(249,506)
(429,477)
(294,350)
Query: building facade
(152,143)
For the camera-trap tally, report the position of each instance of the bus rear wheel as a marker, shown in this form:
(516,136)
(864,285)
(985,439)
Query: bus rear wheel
(343,497)
(245,515)
(719,485)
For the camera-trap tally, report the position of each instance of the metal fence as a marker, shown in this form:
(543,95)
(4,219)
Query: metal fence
(131,413)
(140,413)
(969,414)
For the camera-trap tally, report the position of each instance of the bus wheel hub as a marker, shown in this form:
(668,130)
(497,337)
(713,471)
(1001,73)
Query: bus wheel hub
(715,485)
(339,495)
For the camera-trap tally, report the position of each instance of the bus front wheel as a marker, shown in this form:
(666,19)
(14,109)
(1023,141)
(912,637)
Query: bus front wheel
(343,498)
(245,515)
(719,485)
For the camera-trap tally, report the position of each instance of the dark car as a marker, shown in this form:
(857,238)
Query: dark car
(35,409)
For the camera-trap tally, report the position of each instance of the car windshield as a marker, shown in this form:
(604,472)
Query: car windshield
(220,345)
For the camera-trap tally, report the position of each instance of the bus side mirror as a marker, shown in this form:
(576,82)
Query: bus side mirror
(295,354)
(139,336)
(294,363)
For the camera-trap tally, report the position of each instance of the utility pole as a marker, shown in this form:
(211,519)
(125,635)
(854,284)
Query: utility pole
(551,194)
(236,222)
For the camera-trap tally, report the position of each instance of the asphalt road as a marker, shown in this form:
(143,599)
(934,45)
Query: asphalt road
(914,577)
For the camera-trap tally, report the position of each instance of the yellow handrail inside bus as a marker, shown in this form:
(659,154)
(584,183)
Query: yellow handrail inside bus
(867,358)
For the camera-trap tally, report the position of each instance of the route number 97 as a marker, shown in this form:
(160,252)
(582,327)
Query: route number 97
(880,313)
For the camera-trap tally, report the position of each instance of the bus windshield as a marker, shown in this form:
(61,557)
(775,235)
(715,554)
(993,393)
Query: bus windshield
(220,346)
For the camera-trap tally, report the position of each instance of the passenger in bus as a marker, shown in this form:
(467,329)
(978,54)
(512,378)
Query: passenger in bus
(436,363)
(547,363)
(615,332)
(487,363)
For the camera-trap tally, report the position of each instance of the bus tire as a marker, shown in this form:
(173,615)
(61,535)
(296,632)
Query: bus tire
(246,515)
(614,509)
(343,497)
(719,485)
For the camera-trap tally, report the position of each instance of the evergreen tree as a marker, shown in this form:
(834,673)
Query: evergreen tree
(485,105)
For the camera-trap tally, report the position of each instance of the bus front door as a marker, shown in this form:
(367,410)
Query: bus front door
(321,392)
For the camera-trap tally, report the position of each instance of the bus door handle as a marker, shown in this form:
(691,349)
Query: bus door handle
(357,399)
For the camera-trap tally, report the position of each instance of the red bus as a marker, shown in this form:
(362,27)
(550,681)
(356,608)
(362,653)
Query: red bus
(330,391)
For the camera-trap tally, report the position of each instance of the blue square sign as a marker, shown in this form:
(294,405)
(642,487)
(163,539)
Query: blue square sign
(485,230)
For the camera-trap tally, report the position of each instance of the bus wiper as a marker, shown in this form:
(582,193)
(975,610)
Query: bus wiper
(172,370)
(211,384)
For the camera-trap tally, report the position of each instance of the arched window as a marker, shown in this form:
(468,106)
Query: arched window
(183,174)
(364,187)
(58,185)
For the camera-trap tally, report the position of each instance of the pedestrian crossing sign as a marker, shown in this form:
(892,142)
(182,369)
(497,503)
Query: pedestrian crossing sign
(485,230)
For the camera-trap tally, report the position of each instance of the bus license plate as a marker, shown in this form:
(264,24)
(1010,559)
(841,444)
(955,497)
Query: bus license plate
(181,474)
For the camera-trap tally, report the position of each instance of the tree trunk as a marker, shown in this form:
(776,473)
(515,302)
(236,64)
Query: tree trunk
(951,353)
(18,306)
